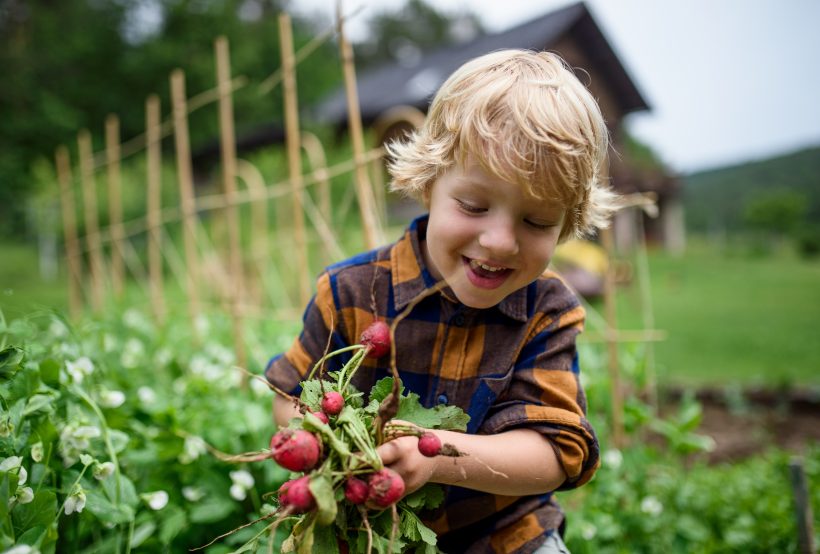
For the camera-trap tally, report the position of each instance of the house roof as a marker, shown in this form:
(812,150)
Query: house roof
(392,85)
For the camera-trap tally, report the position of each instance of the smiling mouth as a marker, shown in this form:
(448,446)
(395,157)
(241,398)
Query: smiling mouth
(475,264)
(484,275)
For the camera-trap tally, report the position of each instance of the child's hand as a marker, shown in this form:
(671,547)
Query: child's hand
(402,456)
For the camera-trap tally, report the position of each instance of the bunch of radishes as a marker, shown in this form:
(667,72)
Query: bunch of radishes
(333,449)
(366,481)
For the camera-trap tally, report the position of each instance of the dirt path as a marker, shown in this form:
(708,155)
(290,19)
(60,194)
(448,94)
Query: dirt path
(758,420)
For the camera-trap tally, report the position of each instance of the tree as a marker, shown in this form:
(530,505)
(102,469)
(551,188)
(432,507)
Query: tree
(77,62)
(403,35)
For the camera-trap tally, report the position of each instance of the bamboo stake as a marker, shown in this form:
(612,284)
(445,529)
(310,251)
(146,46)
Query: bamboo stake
(294,157)
(92,229)
(367,206)
(651,387)
(153,157)
(112,156)
(70,231)
(186,190)
(318,163)
(255,183)
(228,147)
(612,343)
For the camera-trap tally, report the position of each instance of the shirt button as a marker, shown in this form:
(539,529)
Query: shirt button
(458,320)
(442,398)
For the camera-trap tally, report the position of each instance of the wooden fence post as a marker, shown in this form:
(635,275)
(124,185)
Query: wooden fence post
(112,155)
(153,160)
(318,163)
(92,229)
(186,190)
(228,148)
(70,231)
(294,156)
(612,341)
(367,204)
(802,506)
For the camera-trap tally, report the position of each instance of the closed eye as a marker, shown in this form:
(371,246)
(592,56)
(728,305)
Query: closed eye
(469,208)
(538,225)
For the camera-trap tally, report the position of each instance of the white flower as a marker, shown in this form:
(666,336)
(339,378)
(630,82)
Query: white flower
(112,398)
(588,531)
(136,320)
(613,458)
(22,549)
(110,343)
(242,478)
(193,494)
(79,368)
(238,492)
(163,357)
(146,395)
(103,470)
(193,449)
(22,476)
(652,506)
(132,353)
(86,432)
(25,495)
(156,500)
(202,325)
(267,509)
(37,451)
(259,388)
(57,329)
(74,440)
(76,501)
(10,463)
(219,353)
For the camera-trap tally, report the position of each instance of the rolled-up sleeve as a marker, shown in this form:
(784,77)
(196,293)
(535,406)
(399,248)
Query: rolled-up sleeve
(288,369)
(545,394)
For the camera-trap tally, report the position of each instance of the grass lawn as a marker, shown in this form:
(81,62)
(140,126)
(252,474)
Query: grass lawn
(22,289)
(731,317)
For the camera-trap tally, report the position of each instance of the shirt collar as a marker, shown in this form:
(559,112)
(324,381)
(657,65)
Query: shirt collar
(411,276)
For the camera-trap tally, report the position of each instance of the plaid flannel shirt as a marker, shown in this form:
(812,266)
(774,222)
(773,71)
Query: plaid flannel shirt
(510,366)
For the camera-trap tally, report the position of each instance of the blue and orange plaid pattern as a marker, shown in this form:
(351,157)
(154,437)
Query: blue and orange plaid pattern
(513,365)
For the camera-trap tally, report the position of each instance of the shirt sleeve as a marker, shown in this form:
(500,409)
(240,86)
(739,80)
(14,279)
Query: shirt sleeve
(287,370)
(545,394)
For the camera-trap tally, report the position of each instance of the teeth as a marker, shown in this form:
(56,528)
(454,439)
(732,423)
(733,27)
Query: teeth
(477,264)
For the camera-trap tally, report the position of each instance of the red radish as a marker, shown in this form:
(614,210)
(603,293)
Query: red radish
(295,450)
(332,403)
(356,490)
(386,488)
(377,339)
(429,444)
(321,416)
(296,494)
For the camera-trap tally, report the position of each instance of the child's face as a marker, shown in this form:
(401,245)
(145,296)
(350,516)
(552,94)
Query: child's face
(486,237)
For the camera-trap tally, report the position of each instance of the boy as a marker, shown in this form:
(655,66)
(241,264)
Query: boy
(511,160)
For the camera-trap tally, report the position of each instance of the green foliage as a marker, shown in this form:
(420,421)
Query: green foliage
(645,501)
(776,211)
(104,437)
(418,27)
(715,200)
(75,65)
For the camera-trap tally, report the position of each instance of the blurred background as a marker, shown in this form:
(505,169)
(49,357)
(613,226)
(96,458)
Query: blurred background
(715,124)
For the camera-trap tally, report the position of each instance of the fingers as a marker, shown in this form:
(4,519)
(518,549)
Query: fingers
(390,452)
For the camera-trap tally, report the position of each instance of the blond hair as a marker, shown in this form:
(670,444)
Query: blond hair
(525,118)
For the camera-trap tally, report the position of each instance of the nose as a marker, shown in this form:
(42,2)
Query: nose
(498,238)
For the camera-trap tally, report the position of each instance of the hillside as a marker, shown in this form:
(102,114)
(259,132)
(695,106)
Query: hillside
(715,199)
